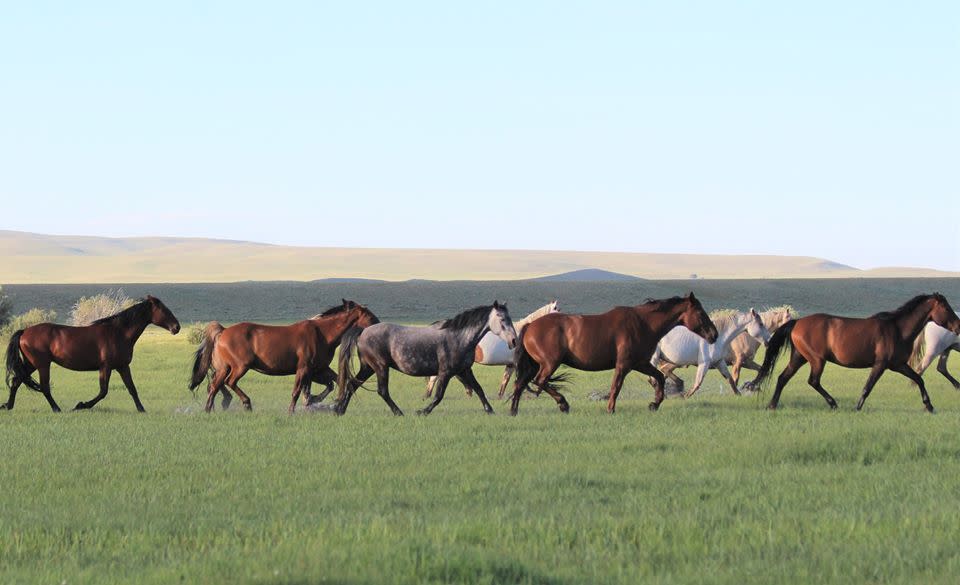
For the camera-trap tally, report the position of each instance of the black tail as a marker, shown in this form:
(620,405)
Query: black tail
(203,357)
(779,342)
(16,368)
(348,345)
(526,368)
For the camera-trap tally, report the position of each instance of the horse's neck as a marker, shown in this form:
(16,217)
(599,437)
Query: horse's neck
(471,336)
(767,318)
(133,331)
(735,326)
(661,322)
(911,324)
(532,317)
(333,329)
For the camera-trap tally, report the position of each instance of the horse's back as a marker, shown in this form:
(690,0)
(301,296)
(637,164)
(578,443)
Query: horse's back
(848,341)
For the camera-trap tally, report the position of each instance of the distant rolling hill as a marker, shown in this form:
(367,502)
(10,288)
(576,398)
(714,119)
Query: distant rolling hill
(587,275)
(37,258)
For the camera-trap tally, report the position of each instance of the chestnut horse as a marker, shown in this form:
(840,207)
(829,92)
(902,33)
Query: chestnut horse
(881,342)
(304,349)
(622,339)
(104,345)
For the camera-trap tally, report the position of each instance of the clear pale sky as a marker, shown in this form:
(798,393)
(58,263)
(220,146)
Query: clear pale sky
(827,129)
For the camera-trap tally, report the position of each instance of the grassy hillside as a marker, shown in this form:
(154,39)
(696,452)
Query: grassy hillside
(427,301)
(35,258)
(712,489)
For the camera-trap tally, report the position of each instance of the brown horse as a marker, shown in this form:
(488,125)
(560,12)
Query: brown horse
(622,339)
(104,345)
(881,342)
(304,349)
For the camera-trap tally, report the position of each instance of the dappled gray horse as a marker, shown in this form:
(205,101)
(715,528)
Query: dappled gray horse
(445,350)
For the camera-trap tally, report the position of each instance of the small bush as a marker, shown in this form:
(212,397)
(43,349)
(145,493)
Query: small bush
(194,332)
(31,317)
(89,309)
(6,308)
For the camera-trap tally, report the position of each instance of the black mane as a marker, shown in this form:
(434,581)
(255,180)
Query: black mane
(337,309)
(664,303)
(468,318)
(135,313)
(905,307)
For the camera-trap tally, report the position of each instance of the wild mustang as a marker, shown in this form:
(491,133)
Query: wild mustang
(445,351)
(493,350)
(104,345)
(881,342)
(304,349)
(682,347)
(622,339)
(933,342)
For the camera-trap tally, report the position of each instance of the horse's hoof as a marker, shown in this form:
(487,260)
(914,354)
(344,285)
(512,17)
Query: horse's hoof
(833,406)
(654,406)
(80,406)
(4,406)
(929,408)
(771,406)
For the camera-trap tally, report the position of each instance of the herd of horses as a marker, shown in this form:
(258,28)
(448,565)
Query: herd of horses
(653,338)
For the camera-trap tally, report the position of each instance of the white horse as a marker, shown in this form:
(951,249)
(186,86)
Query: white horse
(682,347)
(743,348)
(493,351)
(935,341)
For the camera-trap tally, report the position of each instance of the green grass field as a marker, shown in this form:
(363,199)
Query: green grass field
(713,489)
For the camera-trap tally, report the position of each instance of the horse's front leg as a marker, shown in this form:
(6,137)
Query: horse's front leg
(507,372)
(431,384)
(327,377)
(722,367)
(469,380)
(104,386)
(702,368)
(942,368)
(131,388)
(301,383)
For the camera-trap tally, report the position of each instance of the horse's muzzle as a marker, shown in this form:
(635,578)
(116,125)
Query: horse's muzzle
(175,328)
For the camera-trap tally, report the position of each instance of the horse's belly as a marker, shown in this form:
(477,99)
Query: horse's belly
(497,354)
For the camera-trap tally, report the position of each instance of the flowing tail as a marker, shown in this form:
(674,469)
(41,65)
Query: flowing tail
(203,358)
(348,345)
(16,368)
(526,368)
(779,342)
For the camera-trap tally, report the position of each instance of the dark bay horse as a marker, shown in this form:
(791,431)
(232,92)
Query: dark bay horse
(104,345)
(445,350)
(881,342)
(622,339)
(304,349)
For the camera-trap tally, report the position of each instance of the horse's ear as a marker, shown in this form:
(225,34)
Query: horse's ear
(496,304)
(344,301)
(690,296)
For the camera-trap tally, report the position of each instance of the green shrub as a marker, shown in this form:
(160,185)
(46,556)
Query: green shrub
(194,332)
(31,317)
(6,308)
(89,309)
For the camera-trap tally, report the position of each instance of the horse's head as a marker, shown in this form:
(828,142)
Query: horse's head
(696,319)
(943,314)
(777,317)
(161,316)
(500,324)
(756,329)
(364,316)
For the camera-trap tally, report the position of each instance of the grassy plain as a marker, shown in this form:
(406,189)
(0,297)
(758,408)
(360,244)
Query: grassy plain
(708,490)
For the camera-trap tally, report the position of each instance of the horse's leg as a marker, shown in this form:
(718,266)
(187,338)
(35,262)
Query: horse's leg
(301,383)
(875,374)
(439,389)
(702,368)
(750,365)
(44,374)
(383,389)
(226,398)
(816,370)
(916,379)
(542,380)
(722,368)
(507,372)
(796,362)
(131,388)
(362,376)
(326,377)
(233,381)
(431,384)
(658,381)
(735,373)
(469,380)
(104,386)
(16,386)
(519,384)
(942,368)
(216,383)
(619,373)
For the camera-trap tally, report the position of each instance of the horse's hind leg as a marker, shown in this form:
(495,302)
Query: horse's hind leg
(301,383)
(942,368)
(507,372)
(519,384)
(431,384)
(875,374)
(542,380)
(28,367)
(216,384)
(104,386)
(439,389)
(796,362)
(225,398)
(722,367)
(916,379)
(347,393)
(233,382)
(816,370)
(44,374)
(470,382)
